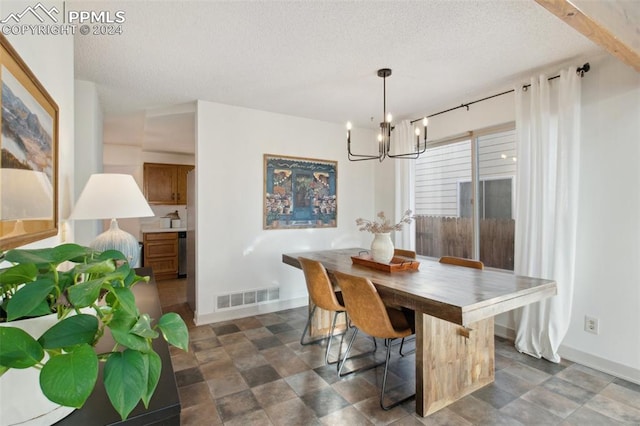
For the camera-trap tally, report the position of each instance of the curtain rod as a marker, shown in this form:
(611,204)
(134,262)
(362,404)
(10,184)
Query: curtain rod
(581,70)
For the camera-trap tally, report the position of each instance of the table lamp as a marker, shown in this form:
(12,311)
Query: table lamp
(25,195)
(113,196)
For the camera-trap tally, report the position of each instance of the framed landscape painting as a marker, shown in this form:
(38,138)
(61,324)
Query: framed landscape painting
(299,193)
(29,154)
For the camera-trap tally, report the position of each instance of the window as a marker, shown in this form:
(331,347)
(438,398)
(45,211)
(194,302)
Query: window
(494,198)
(448,221)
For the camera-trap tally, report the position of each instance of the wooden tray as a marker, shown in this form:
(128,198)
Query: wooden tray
(397,264)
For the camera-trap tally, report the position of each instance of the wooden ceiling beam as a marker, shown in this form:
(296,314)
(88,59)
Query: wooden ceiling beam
(593,27)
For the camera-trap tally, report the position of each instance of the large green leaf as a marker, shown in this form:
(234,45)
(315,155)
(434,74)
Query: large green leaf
(18,274)
(129,340)
(154,367)
(133,278)
(112,254)
(102,267)
(126,300)
(68,379)
(70,331)
(143,328)
(18,349)
(125,380)
(174,330)
(28,298)
(118,277)
(52,255)
(122,320)
(41,310)
(84,294)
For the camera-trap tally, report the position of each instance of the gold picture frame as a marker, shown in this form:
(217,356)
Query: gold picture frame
(299,193)
(29,154)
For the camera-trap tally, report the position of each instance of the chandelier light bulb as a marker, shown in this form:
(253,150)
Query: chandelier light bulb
(389,118)
(348,125)
(417,132)
(379,137)
(425,122)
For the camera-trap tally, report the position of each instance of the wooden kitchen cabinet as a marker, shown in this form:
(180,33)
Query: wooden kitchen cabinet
(166,183)
(161,254)
(182,183)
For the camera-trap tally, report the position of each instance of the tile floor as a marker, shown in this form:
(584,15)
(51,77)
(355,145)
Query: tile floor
(253,371)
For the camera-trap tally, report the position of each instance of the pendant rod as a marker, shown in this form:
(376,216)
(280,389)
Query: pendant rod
(384,98)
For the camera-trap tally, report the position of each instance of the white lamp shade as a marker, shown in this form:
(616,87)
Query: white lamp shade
(111,196)
(26,194)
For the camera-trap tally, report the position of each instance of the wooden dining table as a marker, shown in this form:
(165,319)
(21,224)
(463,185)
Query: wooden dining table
(455,308)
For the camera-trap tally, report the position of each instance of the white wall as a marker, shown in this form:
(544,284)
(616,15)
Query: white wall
(233,252)
(608,272)
(491,112)
(51,60)
(88,151)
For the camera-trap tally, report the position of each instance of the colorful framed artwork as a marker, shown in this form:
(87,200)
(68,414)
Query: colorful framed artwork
(299,193)
(29,154)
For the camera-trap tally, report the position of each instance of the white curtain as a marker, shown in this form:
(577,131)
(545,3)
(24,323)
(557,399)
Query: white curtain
(548,150)
(403,139)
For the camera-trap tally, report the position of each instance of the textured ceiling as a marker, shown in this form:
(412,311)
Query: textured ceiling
(315,59)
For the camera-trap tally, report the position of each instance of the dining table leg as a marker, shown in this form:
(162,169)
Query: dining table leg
(451,361)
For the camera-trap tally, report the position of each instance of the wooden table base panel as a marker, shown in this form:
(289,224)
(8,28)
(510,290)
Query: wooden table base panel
(450,365)
(321,323)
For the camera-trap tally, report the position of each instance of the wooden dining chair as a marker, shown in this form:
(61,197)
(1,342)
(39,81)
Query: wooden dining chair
(323,296)
(408,313)
(461,261)
(369,314)
(404,253)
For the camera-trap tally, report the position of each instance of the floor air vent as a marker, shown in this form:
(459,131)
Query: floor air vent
(252,297)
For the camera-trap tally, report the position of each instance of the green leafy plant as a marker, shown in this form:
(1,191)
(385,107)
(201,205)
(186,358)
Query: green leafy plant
(70,280)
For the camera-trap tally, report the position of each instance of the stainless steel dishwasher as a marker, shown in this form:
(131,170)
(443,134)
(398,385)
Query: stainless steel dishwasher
(182,254)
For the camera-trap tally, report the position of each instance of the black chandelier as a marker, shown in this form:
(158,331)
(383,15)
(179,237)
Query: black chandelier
(384,137)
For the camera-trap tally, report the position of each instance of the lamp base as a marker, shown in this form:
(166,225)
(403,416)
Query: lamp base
(117,239)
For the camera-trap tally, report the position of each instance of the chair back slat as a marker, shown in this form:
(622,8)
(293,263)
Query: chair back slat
(405,253)
(461,261)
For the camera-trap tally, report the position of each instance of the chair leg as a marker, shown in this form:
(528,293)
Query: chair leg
(384,382)
(345,358)
(330,337)
(333,329)
(306,328)
(402,345)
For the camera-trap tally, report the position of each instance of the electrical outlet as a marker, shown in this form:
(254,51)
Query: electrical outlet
(591,324)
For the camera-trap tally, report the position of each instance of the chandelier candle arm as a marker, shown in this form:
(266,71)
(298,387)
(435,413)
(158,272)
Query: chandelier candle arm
(384,136)
(418,151)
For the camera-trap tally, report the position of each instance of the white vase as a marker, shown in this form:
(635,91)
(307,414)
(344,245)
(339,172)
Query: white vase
(21,400)
(382,248)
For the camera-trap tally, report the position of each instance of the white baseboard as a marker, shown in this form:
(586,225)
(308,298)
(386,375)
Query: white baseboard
(601,364)
(592,361)
(504,331)
(247,311)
